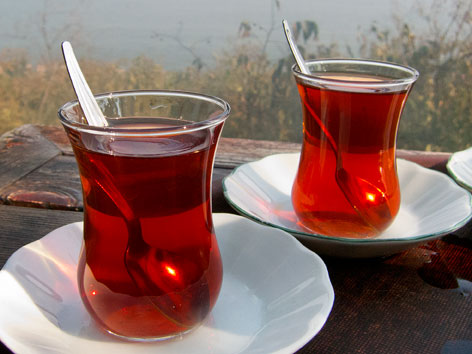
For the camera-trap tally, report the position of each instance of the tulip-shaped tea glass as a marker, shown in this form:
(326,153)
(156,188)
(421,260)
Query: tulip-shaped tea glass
(150,266)
(346,184)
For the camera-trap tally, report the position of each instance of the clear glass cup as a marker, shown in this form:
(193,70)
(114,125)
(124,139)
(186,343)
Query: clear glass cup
(150,266)
(346,184)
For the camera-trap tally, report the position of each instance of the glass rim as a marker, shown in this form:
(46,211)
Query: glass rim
(389,84)
(155,131)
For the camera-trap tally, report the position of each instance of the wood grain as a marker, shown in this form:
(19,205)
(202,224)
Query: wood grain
(37,167)
(22,151)
(21,226)
(234,152)
(57,136)
(53,185)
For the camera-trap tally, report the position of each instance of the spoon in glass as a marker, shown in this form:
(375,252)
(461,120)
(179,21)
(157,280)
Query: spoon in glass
(93,113)
(369,201)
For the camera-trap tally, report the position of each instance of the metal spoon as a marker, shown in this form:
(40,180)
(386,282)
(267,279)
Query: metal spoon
(369,201)
(93,113)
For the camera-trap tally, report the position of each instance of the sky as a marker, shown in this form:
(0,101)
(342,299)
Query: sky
(112,29)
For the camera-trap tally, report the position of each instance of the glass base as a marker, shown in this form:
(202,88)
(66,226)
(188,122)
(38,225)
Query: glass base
(153,339)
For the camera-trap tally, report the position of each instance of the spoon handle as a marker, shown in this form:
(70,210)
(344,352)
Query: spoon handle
(293,47)
(93,113)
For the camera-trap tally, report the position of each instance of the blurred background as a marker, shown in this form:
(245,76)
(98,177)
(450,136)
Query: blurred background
(236,50)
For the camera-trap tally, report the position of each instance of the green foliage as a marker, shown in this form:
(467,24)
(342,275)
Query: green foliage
(262,94)
(438,113)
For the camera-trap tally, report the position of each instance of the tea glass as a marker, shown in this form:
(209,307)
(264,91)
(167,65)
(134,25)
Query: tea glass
(346,183)
(150,266)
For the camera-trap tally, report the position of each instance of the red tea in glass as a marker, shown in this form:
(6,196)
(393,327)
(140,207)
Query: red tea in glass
(150,267)
(346,184)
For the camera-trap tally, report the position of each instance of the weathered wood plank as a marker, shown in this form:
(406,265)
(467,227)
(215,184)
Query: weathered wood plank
(58,137)
(434,160)
(54,185)
(233,152)
(50,180)
(24,225)
(21,151)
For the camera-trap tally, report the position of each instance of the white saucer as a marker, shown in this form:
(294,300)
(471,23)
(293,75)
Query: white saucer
(432,205)
(276,295)
(460,168)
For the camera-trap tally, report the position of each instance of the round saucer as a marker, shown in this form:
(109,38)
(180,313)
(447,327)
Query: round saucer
(275,297)
(432,205)
(460,167)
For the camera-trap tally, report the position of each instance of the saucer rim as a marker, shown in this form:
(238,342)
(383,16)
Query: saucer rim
(346,240)
(313,325)
(453,171)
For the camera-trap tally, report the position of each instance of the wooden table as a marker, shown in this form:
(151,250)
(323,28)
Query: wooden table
(418,301)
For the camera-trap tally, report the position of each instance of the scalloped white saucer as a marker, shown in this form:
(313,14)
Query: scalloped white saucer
(432,205)
(276,296)
(460,167)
